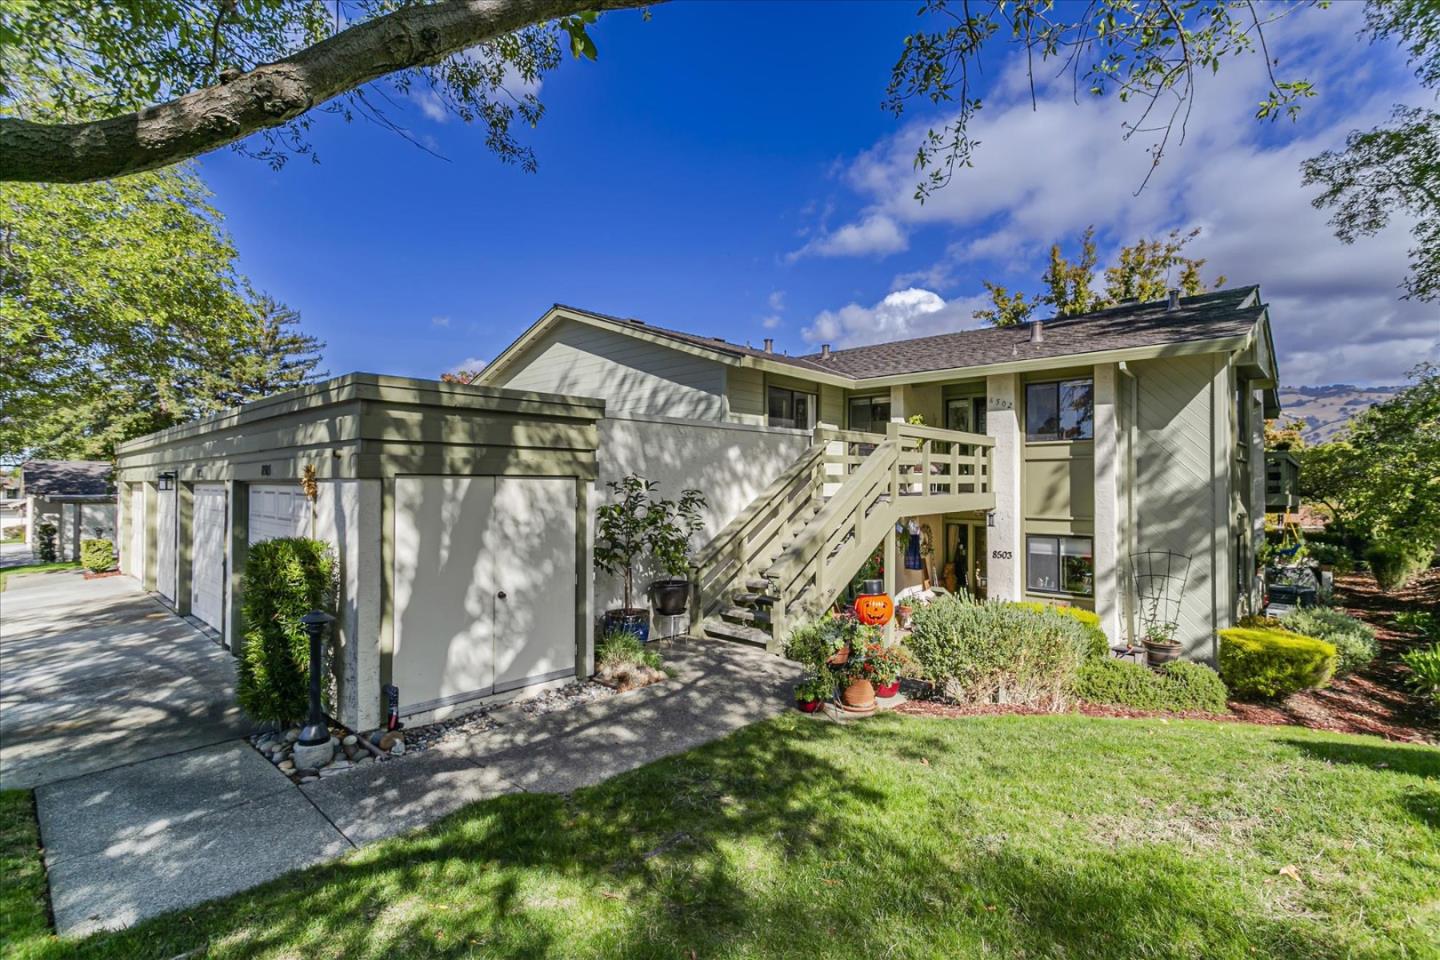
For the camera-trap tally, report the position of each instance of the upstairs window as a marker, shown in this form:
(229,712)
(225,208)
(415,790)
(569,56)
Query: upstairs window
(790,408)
(1060,410)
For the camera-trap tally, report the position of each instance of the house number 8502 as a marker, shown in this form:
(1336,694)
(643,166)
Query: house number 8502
(999,554)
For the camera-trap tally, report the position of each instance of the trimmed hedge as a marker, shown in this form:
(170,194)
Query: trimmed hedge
(97,556)
(284,580)
(1099,643)
(1395,566)
(1354,640)
(998,652)
(1256,662)
(1177,687)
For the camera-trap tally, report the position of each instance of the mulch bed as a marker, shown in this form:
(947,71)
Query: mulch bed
(101,576)
(1372,700)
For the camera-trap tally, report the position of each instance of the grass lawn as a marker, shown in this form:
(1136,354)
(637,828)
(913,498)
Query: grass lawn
(1003,836)
(23,569)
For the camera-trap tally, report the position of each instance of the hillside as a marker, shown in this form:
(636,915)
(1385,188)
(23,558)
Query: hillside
(1325,409)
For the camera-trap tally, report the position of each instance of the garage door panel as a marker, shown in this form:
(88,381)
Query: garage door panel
(165,552)
(136,560)
(532,537)
(444,590)
(207,555)
(277,511)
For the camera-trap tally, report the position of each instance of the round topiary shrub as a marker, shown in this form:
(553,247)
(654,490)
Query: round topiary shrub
(284,580)
(1256,662)
(98,556)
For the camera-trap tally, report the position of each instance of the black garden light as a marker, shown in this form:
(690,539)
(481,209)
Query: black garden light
(315,732)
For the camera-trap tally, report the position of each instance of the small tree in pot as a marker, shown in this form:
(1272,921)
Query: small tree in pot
(621,536)
(672,525)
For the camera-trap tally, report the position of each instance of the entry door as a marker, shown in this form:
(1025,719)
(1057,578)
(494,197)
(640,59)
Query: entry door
(484,586)
(207,555)
(165,544)
(136,560)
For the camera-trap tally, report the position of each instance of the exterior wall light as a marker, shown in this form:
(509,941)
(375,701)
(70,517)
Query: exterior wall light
(167,480)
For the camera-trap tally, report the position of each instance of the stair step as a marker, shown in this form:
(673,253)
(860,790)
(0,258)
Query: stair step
(736,632)
(744,615)
(755,599)
(758,585)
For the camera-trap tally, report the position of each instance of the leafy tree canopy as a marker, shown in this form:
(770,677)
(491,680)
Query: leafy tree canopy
(1143,271)
(121,312)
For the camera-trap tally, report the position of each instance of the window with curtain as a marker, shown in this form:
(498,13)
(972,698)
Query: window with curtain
(1060,410)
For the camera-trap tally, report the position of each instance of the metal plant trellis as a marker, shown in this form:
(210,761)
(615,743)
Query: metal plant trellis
(1160,577)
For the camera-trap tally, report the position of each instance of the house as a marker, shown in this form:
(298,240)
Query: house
(1104,460)
(12,505)
(77,496)
(1111,460)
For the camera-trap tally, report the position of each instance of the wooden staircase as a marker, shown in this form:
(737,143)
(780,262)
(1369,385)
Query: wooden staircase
(797,546)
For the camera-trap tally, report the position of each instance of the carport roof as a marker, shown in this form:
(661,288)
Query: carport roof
(66,478)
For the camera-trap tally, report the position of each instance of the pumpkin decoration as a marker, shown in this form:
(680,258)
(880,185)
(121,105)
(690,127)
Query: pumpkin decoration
(874,608)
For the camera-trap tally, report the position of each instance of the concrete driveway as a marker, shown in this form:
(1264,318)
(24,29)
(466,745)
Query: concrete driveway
(122,717)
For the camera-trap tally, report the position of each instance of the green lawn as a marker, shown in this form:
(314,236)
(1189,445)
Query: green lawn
(898,837)
(27,568)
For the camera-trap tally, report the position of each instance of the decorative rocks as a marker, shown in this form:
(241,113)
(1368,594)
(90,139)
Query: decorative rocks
(398,749)
(316,756)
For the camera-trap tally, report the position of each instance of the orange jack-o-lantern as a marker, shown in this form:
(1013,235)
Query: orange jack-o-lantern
(874,609)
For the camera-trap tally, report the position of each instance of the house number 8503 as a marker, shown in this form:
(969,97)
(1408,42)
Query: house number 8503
(999,554)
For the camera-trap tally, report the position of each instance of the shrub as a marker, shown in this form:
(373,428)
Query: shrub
(45,550)
(1179,686)
(1335,554)
(621,647)
(1424,665)
(815,641)
(97,556)
(1099,643)
(1354,641)
(284,580)
(1256,662)
(999,652)
(1395,566)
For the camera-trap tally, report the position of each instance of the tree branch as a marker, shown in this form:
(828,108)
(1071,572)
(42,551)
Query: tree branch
(270,95)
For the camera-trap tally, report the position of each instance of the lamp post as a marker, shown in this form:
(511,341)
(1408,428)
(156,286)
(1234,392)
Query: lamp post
(315,731)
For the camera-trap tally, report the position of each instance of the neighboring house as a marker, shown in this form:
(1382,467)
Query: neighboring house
(1047,457)
(77,496)
(12,504)
(1108,435)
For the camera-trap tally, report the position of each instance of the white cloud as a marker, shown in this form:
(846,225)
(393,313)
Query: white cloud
(1044,175)
(876,233)
(471,364)
(440,321)
(902,314)
(776,300)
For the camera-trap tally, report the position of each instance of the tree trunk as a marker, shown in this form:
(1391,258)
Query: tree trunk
(269,95)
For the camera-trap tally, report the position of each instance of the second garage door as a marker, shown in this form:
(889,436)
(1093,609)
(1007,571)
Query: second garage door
(207,555)
(278,510)
(484,586)
(165,544)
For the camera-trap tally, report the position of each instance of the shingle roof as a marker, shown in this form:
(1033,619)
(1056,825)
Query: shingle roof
(1208,316)
(71,478)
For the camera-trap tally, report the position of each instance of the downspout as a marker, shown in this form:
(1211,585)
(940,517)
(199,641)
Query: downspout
(1127,591)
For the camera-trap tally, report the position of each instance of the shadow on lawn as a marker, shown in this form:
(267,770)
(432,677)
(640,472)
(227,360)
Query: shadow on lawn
(660,855)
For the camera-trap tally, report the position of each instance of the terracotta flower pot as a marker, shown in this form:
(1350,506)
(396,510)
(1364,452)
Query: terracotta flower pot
(887,689)
(859,696)
(839,656)
(1158,654)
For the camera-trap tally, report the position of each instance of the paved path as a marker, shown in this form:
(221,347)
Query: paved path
(15,554)
(149,802)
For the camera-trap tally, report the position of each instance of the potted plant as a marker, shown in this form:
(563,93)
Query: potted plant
(857,673)
(889,663)
(1161,647)
(621,536)
(671,525)
(814,690)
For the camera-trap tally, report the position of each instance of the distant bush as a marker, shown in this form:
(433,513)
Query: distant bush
(1176,687)
(1257,662)
(45,550)
(284,580)
(1099,643)
(1334,554)
(1354,640)
(1424,678)
(1395,566)
(998,652)
(97,556)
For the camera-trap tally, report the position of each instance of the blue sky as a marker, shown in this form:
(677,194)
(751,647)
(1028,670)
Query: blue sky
(727,168)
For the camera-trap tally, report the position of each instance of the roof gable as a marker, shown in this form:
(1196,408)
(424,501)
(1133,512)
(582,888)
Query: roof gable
(68,478)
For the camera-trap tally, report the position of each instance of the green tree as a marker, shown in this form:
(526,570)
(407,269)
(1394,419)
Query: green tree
(96,90)
(1154,55)
(267,354)
(1143,271)
(121,312)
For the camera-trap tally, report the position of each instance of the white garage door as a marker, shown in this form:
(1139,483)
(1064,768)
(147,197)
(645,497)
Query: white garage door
(484,586)
(135,563)
(278,510)
(165,533)
(207,555)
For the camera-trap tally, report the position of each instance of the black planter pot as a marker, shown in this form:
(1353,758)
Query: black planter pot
(670,596)
(628,621)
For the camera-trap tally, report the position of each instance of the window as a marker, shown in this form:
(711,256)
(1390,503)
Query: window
(1063,410)
(790,408)
(1059,565)
(869,414)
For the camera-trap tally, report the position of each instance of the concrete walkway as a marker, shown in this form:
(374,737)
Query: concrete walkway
(15,554)
(149,802)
